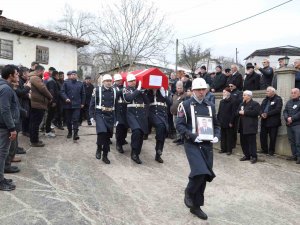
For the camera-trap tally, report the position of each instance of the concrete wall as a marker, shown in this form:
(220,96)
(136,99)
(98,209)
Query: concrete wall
(62,56)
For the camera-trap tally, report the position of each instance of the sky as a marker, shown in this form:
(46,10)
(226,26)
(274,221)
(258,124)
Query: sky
(277,27)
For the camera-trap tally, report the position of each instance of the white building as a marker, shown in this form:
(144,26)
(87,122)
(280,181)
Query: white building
(21,44)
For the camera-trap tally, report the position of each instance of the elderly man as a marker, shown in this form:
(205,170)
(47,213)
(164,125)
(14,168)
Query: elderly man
(297,77)
(267,74)
(270,120)
(291,114)
(248,112)
(198,151)
(235,78)
(252,80)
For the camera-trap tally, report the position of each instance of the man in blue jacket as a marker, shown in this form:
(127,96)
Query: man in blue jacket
(73,94)
(9,116)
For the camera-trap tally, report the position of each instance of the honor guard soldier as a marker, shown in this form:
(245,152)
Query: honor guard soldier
(198,150)
(121,110)
(102,108)
(136,99)
(158,117)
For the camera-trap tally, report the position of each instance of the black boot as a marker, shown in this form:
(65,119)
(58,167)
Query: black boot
(69,134)
(120,148)
(188,199)
(158,159)
(199,213)
(75,136)
(98,152)
(136,158)
(105,159)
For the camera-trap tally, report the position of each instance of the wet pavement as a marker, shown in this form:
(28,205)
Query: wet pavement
(63,183)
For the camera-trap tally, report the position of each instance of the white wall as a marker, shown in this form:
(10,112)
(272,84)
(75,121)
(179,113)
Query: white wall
(62,56)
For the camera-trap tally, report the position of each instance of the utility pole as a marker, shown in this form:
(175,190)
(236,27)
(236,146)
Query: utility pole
(176,62)
(236,55)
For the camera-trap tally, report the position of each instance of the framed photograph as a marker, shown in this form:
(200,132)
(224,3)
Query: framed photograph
(205,128)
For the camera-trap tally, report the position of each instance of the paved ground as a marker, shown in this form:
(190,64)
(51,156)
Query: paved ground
(63,183)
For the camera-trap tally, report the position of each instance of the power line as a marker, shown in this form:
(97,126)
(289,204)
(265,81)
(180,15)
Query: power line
(247,18)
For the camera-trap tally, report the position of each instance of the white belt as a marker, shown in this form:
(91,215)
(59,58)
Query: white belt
(136,105)
(159,103)
(107,109)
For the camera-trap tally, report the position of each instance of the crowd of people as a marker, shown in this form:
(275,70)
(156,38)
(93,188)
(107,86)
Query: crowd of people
(33,100)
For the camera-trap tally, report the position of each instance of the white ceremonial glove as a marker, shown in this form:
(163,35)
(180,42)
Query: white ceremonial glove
(162,91)
(139,86)
(215,140)
(198,140)
(92,121)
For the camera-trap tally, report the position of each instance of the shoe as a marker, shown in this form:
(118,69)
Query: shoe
(10,182)
(20,150)
(98,154)
(291,158)
(158,159)
(16,159)
(11,169)
(298,160)
(75,136)
(120,148)
(181,142)
(69,134)
(38,144)
(262,152)
(89,123)
(105,159)
(228,153)
(199,213)
(5,186)
(270,154)
(136,159)
(176,141)
(50,135)
(244,158)
(221,151)
(188,200)
(253,160)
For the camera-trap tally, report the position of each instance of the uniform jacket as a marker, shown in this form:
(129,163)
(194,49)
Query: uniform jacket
(252,82)
(40,96)
(267,77)
(199,155)
(9,107)
(121,106)
(274,112)
(73,90)
(219,82)
(249,121)
(292,109)
(104,118)
(237,80)
(136,116)
(227,112)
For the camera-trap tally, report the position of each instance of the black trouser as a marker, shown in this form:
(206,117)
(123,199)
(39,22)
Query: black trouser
(103,141)
(235,131)
(50,117)
(85,113)
(121,134)
(26,122)
(137,141)
(36,117)
(227,139)
(59,114)
(196,188)
(264,132)
(72,119)
(12,151)
(161,134)
(248,143)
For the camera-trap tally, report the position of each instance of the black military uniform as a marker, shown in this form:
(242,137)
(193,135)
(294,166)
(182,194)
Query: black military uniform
(102,108)
(159,119)
(121,120)
(199,155)
(136,119)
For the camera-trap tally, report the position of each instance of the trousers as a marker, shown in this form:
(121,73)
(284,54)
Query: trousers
(294,139)
(196,188)
(248,143)
(72,118)
(227,139)
(4,149)
(121,134)
(36,117)
(264,133)
(103,139)
(137,141)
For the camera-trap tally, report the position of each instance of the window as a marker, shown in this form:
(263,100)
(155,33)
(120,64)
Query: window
(42,54)
(6,49)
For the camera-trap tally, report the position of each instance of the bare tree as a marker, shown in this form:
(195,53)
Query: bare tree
(131,30)
(191,54)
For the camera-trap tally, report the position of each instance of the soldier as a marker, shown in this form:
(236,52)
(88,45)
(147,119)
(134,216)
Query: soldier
(102,108)
(136,116)
(121,110)
(198,151)
(159,118)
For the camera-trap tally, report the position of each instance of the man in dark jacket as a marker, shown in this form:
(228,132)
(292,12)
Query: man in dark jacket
(248,112)
(291,114)
(270,120)
(198,151)
(226,117)
(187,83)
(58,121)
(267,74)
(73,94)
(88,87)
(252,80)
(219,81)
(9,116)
(297,76)
(205,75)
(235,78)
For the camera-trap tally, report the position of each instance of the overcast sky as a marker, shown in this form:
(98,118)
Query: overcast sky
(277,27)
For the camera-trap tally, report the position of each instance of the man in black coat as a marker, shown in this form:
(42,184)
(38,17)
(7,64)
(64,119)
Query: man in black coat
(205,75)
(270,120)
(88,87)
(219,81)
(252,80)
(199,152)
(248,112)
(235,78)
(267,74)
(226,117)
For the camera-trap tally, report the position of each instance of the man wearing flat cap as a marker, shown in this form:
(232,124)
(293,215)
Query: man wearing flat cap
(252,80)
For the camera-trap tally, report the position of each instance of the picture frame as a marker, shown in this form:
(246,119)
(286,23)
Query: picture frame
(205,128)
